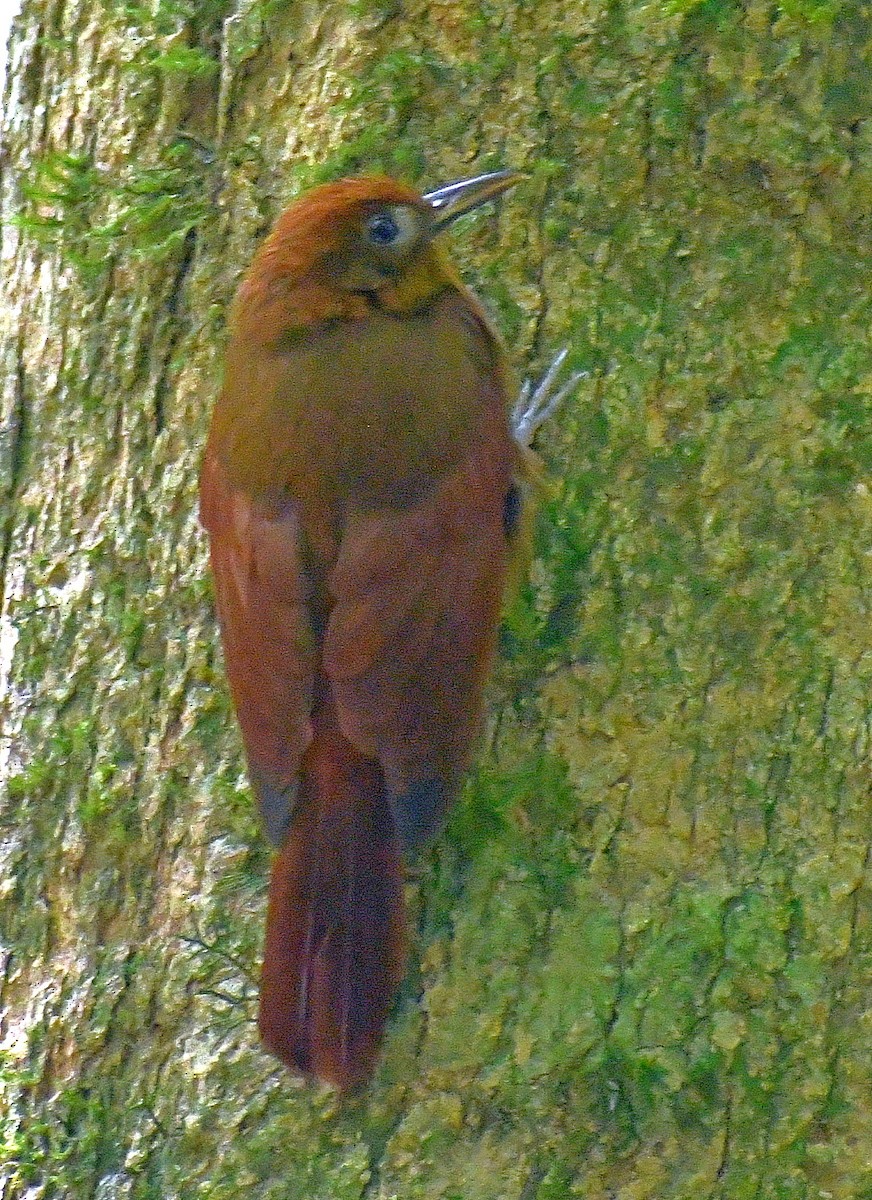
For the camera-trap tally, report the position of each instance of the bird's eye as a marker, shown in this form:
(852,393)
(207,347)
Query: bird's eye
(382,229)
(391,227)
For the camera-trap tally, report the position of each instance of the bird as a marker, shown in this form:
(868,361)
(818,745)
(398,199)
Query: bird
(365,497)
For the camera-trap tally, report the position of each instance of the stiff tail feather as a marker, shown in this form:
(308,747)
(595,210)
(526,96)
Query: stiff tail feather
(335,935)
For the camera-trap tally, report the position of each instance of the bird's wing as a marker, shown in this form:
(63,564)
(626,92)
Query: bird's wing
(261,596)
(411,636)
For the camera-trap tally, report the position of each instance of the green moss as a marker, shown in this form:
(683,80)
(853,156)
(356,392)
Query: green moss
(77,1146)
(814,11)
(386,101)
(59,194)
(165,17)
(92,215)
(186,61)
(31,782)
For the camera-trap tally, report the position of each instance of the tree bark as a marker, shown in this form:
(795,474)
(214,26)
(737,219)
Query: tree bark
(641,966)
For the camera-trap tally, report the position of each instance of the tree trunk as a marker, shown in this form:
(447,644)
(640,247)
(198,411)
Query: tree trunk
(642,955)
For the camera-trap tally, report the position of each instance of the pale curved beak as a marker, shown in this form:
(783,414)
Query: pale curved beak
(462,196)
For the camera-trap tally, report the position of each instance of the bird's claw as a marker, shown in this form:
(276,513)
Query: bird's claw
(536,404)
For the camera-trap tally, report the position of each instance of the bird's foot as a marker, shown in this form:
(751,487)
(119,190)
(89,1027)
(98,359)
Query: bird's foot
(536,404)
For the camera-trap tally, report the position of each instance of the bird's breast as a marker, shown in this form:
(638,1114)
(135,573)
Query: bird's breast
(369,411)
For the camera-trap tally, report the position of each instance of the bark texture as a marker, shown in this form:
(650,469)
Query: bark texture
(645,944)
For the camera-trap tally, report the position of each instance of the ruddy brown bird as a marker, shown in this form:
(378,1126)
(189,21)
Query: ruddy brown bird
(362,490)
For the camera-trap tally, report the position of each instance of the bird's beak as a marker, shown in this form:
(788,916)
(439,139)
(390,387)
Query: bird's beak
(455,199)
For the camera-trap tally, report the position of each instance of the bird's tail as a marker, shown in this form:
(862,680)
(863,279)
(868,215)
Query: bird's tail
(335,935)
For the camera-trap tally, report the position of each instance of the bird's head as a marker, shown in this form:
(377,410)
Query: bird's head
(354,244)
